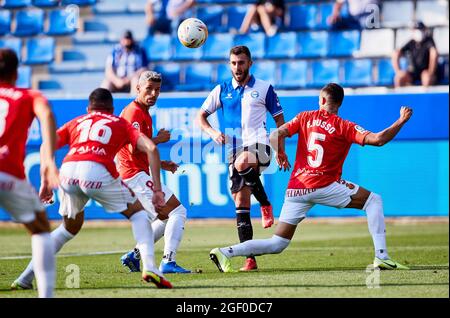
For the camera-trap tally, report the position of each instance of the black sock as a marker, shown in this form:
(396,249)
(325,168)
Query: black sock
(252,180)
(244,225)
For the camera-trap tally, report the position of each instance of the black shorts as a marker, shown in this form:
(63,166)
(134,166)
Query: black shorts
(263,155)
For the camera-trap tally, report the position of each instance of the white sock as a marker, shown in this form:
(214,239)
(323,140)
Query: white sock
(44,263)
(60,236)
(174,233)
(276,244)
(143,234)
(158,227)
(377,228)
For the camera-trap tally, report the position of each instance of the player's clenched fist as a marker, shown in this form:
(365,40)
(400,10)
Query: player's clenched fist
(405,113)
(219,138)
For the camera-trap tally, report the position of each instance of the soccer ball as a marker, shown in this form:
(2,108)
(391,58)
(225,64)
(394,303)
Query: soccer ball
(192,33)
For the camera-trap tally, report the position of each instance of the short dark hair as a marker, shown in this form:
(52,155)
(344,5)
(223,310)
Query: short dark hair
(8,63)
(335,93)
(101,99)
(241,49)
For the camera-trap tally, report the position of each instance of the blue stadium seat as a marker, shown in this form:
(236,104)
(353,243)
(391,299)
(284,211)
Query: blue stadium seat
(282,45)
(324,72)
(46,3)
(182,53)
(223,73)
(62,22)
(158,47)
(12,43)
(443,70)
(235,15)
(217,46)
(293,75)
(170,75)
(24,79)
(197,77)
(5,22)
(15,4)
(325,11)
(212,16)
(312,44)
(358,72)
(79,83)
(79,2)
(265,70)
(343,43)
(29,22)
(303,17)
(40,50)
(94,56)
(386,73)
(254,41)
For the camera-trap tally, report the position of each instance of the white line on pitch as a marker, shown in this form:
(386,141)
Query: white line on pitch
(64,255)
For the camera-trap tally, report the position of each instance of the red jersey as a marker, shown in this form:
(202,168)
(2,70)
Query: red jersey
(134,161)
(16,116)
(97,137)
(323,144)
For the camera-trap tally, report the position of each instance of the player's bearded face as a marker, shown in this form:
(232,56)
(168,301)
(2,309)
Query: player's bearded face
(148,93)
(240,66)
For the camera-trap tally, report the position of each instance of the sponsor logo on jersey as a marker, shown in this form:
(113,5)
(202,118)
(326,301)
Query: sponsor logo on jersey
(298,192)
(136,125)
(4,151)
(254,94)
(360,129)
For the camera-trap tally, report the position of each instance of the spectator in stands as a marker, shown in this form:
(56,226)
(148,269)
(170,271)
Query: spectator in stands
(177,11)
(422,57)
(268,13)
(156,17)
(361,14)
(124,65)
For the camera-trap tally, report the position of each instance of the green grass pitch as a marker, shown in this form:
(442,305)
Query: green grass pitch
(324,260)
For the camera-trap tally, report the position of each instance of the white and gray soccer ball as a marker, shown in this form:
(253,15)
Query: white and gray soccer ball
(192,33)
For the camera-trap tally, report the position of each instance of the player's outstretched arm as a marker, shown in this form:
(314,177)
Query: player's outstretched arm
(277,138)
(383,137)
(202,121)
(144,144)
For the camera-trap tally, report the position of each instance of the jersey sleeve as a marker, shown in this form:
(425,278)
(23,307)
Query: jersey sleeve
(273,103)
(293,125)
(212,102)
(354,133)
(133,117)
(63,135)
(133,134)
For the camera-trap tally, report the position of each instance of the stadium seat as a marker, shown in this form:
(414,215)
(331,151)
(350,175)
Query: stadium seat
(24,78)
(170,73)
(235,16)
(432,13)
(182,53)
(113,25)
(370,43)
(386,73)
(212,16)
(325,11)
(40,50)
(282,45)
(13,43)
(78,84)
(15,4)
(303,17)
(440,36)
(5,22)
(254,41)
(343,43)
(402,36)
(391,17)
(358,72)
(110,7)
(62,22)
(324,72)
(312,44)
(217,46)
(94,56)
(197,77)
(79,2)
(158,47)
(293,75)
(46,3)
(223,73)
(443,70)
(265,70)
(29,23)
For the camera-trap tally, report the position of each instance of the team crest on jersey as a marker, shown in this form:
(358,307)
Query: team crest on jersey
(136,125)
(254,94)
(360,129)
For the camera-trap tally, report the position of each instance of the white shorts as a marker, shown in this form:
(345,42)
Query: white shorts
(19,198)
(298,202)
(84,180)
(142,185)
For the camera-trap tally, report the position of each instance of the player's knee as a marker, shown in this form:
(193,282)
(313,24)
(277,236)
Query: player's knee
(279,244)
(179,211)
(374,199)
